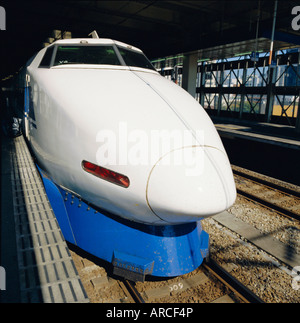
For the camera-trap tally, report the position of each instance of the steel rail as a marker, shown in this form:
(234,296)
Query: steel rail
(265,203)
(267,183)
(270,205)
(137,297)
(231,282)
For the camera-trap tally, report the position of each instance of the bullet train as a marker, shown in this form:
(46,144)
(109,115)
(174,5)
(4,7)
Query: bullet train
(109,131)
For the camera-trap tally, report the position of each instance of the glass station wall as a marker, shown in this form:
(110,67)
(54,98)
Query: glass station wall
(240,87)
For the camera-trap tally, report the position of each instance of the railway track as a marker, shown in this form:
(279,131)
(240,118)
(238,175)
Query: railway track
(136,296)
(241,292)
(282,199)
(209,278)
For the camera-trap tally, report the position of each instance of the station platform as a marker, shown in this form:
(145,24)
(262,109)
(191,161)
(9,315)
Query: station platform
(269,149)
(36,260)
(269,133)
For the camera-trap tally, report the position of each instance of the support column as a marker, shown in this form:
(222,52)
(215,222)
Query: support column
(298,117)
(244,79)
(202,84)
(189,73)
(220,85)
(270,94)
(297,128)
(270,87)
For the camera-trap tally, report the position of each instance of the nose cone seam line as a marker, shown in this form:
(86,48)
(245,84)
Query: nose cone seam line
(195,137)
(147,186)
(170,106)
(220,175)
(148,203)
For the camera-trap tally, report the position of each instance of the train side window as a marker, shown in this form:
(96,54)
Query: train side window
(46,61)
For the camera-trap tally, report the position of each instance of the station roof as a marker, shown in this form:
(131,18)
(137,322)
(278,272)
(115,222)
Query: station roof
(216,28)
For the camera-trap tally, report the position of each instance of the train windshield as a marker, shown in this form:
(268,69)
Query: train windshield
(136,59)
(100,55)
(86,55)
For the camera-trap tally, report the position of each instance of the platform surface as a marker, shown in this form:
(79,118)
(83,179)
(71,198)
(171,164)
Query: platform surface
(281,251)
(270,133)
(38,264)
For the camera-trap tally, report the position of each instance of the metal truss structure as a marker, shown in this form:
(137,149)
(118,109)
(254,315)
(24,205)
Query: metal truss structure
(244,87)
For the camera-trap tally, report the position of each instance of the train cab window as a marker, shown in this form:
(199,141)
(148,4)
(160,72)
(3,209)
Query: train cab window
(71,54)
(46,61)
(134,58)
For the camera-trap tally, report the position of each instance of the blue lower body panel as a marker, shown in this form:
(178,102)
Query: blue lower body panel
(164,251)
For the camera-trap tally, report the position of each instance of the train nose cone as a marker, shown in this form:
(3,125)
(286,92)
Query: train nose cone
(189,184)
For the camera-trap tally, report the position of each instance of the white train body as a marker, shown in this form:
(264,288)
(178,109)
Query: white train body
(124,118)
